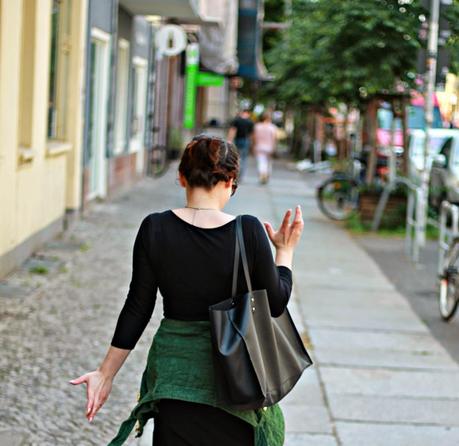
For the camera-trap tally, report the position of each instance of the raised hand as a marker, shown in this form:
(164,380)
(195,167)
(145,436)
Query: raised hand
(288,235)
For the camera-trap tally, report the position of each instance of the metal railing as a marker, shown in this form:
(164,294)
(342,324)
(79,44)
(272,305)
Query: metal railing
(415,228)
(448,230)
(415,236)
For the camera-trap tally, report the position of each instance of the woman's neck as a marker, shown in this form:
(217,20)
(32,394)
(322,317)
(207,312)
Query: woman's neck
(203,201)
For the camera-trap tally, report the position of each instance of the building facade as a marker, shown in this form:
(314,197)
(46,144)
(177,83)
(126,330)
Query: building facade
(119,64)
(85,92)
(42,47)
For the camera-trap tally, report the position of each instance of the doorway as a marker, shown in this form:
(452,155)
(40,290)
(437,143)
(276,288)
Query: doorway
(97,119)
(139,94)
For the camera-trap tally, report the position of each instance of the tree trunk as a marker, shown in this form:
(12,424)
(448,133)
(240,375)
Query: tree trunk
(372,156)
(406,154)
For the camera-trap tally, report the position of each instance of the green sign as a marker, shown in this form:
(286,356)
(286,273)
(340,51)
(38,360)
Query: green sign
(210,79)
(194,79)
(191,73)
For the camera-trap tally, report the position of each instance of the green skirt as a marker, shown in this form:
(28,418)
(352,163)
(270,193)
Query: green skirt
(179,366)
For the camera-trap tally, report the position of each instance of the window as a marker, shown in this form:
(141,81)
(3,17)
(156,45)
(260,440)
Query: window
(58,68)
(446,149)
(138,104)
(27,75)
(122,84)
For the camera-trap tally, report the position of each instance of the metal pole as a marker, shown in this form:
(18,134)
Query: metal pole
(432,51)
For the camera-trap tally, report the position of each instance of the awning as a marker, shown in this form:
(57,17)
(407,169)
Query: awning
(189,11)
(185,11)
(249,42)
(218,41)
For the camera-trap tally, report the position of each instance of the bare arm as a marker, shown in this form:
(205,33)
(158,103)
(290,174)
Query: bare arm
(231,134)
(113,361)
(132,320)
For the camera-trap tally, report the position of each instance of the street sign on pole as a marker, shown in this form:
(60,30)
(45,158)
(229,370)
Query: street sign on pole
(432,49)
(210,79)
(191,77)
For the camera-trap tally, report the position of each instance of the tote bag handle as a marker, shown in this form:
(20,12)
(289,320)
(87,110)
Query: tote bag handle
(239,251)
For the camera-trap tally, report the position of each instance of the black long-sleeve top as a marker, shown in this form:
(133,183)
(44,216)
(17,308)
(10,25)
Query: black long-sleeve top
(193,267)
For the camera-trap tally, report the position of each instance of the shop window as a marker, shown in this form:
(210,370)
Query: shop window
(59,68)
(122,88)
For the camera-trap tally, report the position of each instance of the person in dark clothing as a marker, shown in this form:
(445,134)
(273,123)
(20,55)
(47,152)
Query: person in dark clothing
(187,254)
(240,132)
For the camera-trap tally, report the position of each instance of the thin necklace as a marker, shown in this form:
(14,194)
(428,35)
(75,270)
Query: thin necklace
(199,209)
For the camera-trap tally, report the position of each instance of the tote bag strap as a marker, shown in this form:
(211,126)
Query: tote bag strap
(245,263)
(235,266)
(239,251)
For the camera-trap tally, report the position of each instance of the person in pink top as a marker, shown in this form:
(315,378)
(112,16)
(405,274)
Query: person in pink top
(264,137)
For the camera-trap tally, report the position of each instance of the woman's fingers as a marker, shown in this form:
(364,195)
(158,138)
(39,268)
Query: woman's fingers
(269,230)
(298,220)
(91,399)
(297,225)
(97,391)
(298,214)
(96,406)
(286,221)
(288,233)
(80,380)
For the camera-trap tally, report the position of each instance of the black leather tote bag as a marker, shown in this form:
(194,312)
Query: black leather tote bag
(257,358)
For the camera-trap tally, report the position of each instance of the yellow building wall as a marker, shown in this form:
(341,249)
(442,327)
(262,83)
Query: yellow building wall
(35,193)
(10,16)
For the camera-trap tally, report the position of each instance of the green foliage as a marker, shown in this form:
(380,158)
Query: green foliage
(451,14)
(391,227)
(274,12)
(39,269)
(84,247)
(344,50)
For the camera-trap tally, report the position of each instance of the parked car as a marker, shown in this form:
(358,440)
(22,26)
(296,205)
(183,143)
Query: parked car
(444,171)
(416,149)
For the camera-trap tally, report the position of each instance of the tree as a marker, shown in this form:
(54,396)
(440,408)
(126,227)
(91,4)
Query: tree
(341,51)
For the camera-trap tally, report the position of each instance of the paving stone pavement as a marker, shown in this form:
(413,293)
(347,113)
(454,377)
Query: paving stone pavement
(379,377)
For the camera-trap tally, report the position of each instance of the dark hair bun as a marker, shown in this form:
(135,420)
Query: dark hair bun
(208,160)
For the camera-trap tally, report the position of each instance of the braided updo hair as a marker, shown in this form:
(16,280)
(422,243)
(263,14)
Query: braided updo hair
(208,160)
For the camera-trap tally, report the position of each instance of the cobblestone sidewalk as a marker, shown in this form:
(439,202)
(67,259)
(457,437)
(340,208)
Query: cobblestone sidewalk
(56,323)
(380,379)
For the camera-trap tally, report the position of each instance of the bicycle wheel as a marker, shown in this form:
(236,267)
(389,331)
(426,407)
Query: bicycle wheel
(338,197)
(448,291)
(158,161)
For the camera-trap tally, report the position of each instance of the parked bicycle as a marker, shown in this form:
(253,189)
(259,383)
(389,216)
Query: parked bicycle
(449,282)
(158,161)
(338,196)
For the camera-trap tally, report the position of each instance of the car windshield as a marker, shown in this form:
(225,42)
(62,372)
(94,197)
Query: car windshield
(417,145)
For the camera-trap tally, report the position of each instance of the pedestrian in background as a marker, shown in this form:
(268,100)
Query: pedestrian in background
(240,132)
(264,138)
(188,255)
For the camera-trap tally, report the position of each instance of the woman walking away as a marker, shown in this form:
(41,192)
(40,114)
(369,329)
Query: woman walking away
(188,254)
(265,137)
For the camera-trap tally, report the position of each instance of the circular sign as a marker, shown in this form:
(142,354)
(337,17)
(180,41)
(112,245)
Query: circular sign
(171,40)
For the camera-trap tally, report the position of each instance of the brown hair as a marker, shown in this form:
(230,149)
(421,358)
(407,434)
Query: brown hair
(208,160)
(265,117)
